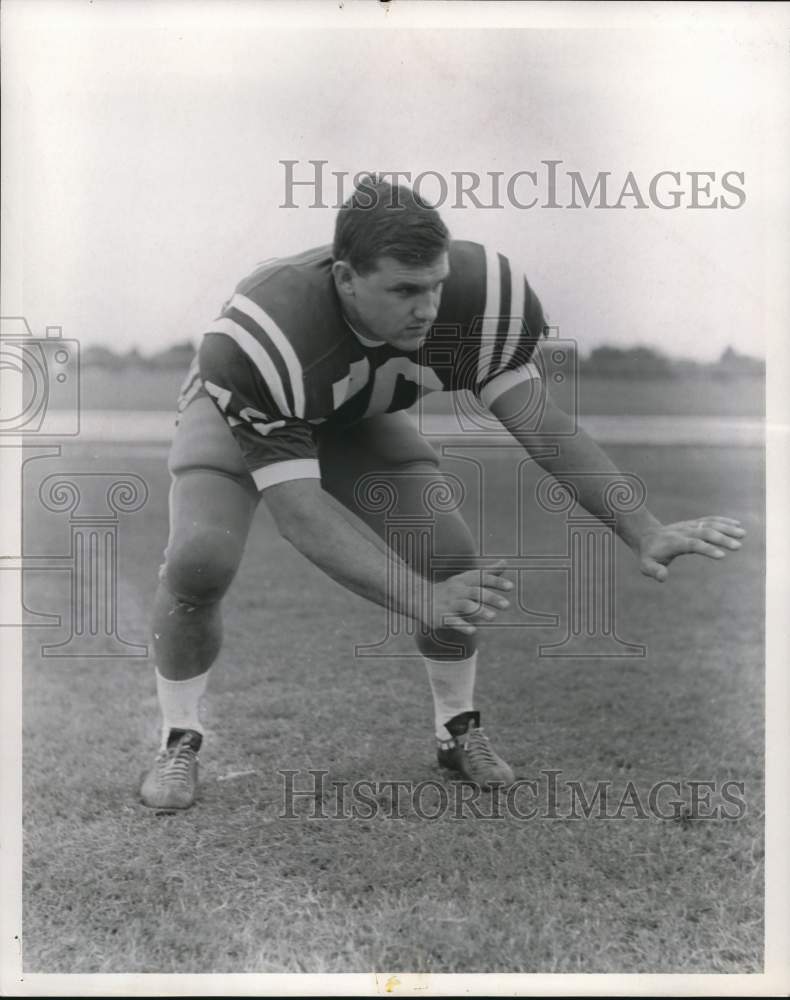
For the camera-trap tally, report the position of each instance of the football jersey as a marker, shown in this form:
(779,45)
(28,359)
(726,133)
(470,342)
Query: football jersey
(281,358)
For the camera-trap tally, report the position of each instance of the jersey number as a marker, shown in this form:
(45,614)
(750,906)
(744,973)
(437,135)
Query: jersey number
(385,381)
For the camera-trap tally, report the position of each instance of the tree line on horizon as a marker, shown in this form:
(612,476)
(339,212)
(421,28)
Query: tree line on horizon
(639,361)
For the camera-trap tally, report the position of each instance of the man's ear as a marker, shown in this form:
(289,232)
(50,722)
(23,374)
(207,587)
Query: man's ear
(343,273)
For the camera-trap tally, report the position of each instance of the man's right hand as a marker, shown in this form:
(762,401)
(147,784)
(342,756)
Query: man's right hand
(472,596)
(312,522)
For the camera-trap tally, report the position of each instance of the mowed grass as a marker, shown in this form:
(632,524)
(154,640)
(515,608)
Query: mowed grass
(231,886)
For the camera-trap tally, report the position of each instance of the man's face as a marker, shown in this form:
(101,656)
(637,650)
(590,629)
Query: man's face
(396,303)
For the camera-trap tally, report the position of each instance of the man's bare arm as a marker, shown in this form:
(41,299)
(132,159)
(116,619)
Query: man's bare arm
(589,469)
(313,523)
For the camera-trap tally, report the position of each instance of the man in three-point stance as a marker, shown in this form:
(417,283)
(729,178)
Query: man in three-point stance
(298,391)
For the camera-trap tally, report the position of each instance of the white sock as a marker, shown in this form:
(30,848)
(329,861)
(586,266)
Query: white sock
(453,687)
(180,703)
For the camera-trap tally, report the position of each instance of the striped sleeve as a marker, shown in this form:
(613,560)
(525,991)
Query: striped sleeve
(512,325)
(255,381)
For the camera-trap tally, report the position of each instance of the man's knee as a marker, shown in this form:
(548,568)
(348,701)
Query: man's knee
(438,552)
(452,550)
(200,568)
(443,563)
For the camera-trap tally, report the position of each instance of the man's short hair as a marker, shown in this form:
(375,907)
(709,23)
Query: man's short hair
(385,220)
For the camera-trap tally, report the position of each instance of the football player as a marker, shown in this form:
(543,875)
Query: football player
(297,396)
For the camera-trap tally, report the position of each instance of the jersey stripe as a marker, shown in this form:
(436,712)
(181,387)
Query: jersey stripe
(284,472)
(504,314)
(516,319)
(259,357)
(266,343)
(490,315)
(280,341)
(190,386)
(506,380)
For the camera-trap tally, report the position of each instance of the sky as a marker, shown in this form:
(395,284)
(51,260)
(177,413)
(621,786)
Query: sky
(143,147)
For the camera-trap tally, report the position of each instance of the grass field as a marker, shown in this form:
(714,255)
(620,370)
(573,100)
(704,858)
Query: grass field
(740,397)
(232,887)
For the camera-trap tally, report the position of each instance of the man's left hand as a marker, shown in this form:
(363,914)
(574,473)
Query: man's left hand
(707,536)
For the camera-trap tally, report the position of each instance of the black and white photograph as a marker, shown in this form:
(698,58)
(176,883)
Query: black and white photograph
(394,438)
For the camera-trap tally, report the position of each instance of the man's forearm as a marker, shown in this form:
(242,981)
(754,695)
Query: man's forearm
(587,467)
(316,526)
(592,476)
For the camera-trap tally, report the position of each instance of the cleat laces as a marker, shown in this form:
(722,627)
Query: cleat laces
(175,764)
(478,747)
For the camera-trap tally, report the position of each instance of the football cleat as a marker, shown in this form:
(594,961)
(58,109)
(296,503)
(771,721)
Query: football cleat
(172,781)
(469,752)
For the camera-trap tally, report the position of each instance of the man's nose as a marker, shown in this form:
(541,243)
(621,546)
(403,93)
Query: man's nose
(426,308)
